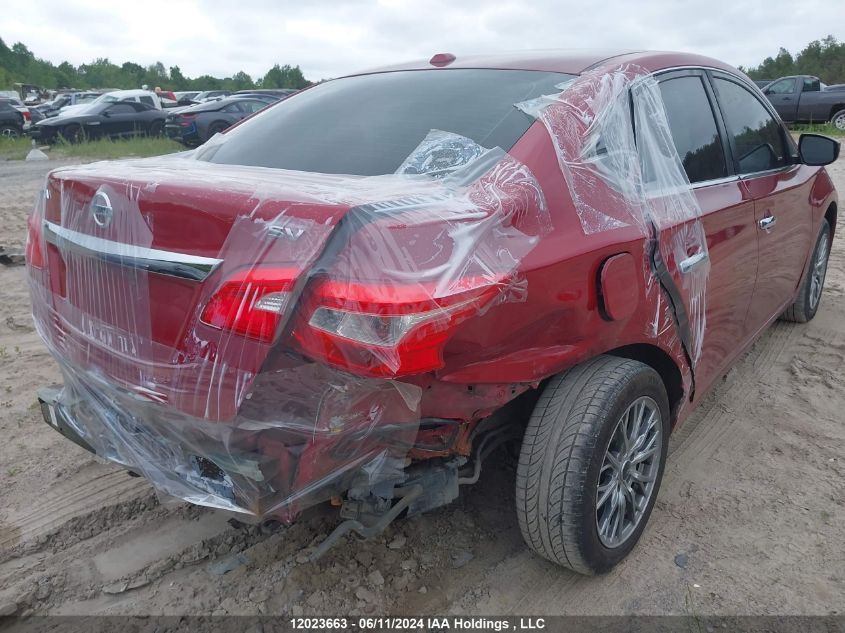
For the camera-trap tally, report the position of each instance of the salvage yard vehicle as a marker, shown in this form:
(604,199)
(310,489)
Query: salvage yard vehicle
(11,120)
(196,124)
(805,99)
(105,119)
(356,295)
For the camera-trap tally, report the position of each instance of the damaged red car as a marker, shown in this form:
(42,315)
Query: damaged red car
(356,295)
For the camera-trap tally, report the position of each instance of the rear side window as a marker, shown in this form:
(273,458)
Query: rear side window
(757,136)
(148,101)
(693,128)
(367,125)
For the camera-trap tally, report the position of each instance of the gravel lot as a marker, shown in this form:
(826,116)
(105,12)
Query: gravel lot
(750,519)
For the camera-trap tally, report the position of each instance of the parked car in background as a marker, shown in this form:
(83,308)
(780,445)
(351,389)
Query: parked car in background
(52,108)
(279,93)
(196,124)
(805,99)
(185,94)
(26,111)
(138,96)
(105,118)
(360,293)
(206,95)
(11,120)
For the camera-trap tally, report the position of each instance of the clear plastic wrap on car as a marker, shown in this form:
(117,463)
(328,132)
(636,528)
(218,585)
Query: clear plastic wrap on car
(243,336)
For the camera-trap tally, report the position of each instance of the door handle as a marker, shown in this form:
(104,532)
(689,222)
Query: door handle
(691,263)
(768,223)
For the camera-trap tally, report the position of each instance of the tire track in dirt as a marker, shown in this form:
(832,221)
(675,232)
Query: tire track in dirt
(91,489)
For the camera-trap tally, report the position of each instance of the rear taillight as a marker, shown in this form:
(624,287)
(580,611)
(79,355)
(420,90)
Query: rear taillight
(251,302)
(186,119)
(34,255)
(26,115)
(382,330)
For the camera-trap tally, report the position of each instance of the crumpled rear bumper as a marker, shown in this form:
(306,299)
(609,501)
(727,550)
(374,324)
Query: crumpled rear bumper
(247,465)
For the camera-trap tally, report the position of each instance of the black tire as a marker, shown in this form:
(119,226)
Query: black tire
(156,128)
(838,120)
(9,131)
(562,455)
(809,299)
(72,133)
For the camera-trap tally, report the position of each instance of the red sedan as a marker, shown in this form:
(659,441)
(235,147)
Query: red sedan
(359,293)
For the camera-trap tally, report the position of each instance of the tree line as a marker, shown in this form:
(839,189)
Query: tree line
(20,65)
(823,58)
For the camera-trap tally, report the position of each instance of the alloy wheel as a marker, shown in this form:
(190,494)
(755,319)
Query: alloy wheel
(839,121)
(819,271)
(629,472)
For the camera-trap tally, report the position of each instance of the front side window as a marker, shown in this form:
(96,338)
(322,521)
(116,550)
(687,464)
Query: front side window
(121,108)
(693,128)
(147,100)
(782,87)
(757,136)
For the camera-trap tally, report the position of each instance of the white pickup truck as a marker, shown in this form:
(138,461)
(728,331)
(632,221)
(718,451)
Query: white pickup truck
(142,96)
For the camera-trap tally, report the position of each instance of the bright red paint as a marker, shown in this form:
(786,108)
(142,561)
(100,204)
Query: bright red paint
(469,367)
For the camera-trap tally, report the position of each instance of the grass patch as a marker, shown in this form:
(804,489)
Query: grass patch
(105,148)
(14,148)
(816,128)
(100,149)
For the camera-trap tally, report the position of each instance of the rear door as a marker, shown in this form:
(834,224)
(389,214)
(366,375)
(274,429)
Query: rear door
(784,95)
(727,218)
(763,158)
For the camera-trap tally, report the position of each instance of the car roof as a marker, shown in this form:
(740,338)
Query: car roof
(570,61)
(130,93)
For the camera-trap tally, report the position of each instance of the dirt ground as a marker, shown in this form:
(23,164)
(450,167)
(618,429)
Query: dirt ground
(750,518)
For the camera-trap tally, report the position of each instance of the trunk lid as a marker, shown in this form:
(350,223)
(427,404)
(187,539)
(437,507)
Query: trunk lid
(133,251)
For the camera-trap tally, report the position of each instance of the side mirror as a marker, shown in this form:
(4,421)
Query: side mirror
(766,91)
(817,150)
(106,113)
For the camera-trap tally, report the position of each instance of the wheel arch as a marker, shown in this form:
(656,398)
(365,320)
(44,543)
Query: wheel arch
(830,216)
(834,109)
(663,364)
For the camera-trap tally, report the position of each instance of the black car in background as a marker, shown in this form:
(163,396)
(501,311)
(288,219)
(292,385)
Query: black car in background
(11,120)
(195,125)
(124,118)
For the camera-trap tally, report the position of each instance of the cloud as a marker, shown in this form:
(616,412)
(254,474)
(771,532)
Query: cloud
(328,38)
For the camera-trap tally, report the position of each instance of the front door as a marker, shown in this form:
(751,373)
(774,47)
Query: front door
(119,119)
(762,155)
(784,95)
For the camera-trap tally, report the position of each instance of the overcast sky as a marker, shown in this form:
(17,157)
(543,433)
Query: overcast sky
(328,38)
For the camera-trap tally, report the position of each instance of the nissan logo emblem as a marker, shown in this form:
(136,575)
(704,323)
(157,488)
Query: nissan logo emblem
(101,209)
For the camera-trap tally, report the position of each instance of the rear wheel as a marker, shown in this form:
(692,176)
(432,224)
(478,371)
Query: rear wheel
(838,120)
(591,463)
(810,293)
(217,128)
(9,131)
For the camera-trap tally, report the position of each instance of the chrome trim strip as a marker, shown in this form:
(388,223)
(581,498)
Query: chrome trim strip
(714,181)
(153,260)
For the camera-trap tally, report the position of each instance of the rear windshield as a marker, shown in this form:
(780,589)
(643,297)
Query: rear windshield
(367,125)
